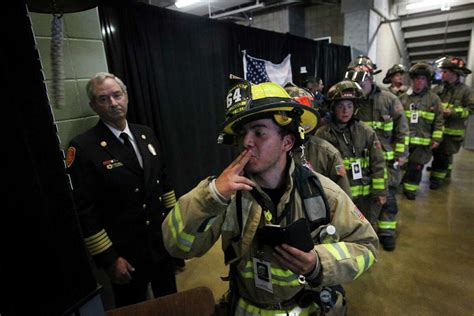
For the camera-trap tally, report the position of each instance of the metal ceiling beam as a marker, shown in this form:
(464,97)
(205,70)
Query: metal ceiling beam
(430,46)
(439,42)
(257,5)
(438,30)
(438,18)
(438,51)
(433,57)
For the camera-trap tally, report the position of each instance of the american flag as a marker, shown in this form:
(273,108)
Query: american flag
(258,70)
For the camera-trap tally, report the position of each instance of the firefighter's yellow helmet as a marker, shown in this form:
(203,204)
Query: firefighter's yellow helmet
(247,102)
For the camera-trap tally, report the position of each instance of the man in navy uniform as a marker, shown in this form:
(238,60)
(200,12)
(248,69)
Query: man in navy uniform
(122,194)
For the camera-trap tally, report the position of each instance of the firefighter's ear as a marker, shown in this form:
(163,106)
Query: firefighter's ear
(288,142)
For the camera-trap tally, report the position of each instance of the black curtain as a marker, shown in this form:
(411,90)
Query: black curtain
(45,268)
(332,63)
(176,67)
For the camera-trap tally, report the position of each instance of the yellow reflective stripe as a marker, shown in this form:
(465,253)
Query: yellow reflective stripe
(437,134)
(388,126)
(410,187)
(429,116)
(463,112)
(424,141)
(378,184)
(385,173)
(450,166)
(380,125)
(453,131)
(98,242)
(406,140)
(438,174)
(338,250)
(389,155)
(183,240)
(281,277)
(364,162)
(387,224)
(445,105)
(360,190)
(169,199)
(400,148)
(364,262)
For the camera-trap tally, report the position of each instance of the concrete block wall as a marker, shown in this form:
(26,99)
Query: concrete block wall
(84,55)
(325,20)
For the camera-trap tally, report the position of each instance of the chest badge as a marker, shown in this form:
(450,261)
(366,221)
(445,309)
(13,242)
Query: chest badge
(152,149)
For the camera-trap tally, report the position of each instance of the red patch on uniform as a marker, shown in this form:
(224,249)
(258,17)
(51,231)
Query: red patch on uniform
(377,145)
(70,155)
(340,170)
(358,213)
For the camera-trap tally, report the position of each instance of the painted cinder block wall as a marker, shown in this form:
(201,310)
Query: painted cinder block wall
(84,55)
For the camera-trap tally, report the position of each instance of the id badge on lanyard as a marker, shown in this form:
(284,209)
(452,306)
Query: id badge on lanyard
(262,274)
(414,114)
(414,117)
(356,170)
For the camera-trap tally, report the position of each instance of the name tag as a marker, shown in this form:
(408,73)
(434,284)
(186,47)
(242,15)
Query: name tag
(262,274)
(356,170)
(414,117)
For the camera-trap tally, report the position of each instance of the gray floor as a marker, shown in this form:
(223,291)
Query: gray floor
(430,273)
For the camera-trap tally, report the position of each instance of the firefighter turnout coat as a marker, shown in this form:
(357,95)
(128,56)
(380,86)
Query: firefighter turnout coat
(199,219)
(425,117)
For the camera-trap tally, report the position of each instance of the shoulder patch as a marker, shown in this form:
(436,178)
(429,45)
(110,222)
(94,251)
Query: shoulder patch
(70,155)
(377,145)
(359,214)
(340,170)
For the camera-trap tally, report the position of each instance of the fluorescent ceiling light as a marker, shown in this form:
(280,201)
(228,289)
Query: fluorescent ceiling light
(184,3)
(425,3)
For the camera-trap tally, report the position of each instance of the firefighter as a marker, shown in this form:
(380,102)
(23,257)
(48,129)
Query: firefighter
(384,113)
(394,78)
(425,117)
(458,103)
(360,149)
(264,191)
(318,154)
(315,85)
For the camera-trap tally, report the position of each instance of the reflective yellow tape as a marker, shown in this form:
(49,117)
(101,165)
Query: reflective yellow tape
(410,187)
(437,134)
(364,262)
(183,240)
(400,148)
(387,224)
(453,131)
(360,190)
(338,250)
(423,141)
(389,155)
